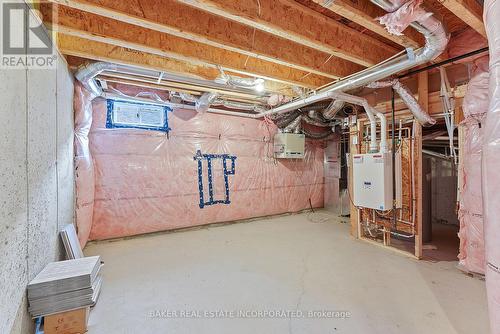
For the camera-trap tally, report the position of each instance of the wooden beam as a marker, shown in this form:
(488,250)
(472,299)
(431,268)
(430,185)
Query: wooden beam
(423,100)
(355,138)
(100,29)
(125,80)
(83,48)
(191,23)
(469,11)
(435,105)
(97,51)
(300,24)
(365,13)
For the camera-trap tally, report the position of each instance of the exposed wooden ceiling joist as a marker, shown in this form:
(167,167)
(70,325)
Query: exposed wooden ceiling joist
(87,49)
(469,11)
(100,29)
(116,78)
(128,79)
(191,23)
(300,24)
(365,13)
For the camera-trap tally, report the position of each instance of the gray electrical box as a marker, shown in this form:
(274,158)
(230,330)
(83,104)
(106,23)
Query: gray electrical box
(289,145)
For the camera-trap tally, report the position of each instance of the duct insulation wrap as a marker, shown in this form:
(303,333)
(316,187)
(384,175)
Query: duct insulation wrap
(407,12)
(146,181)
(471,254)
(491,163)
(475,106)
(203,103)
(410,101)
(84,166)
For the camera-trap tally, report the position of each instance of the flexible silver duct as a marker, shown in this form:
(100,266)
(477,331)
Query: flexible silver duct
(220,102)
(283,120)
(257,84)
(294,126)
(333,109)
(253,83)
(203,103)
(122,97)
(372,115)
(321,135)
(420,114)
(370,111)
(436,39)
(239,105)
(315,122)
(87,73)
(188,97)
(315,115)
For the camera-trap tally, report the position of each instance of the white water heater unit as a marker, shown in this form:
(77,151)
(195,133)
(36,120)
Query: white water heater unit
(372,177)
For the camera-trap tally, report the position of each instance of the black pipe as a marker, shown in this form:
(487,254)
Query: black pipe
(444,62)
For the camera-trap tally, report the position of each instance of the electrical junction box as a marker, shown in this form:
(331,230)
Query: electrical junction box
(372,180)
(289,145)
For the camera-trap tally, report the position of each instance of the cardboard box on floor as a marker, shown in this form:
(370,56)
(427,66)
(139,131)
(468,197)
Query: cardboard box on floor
(70,322)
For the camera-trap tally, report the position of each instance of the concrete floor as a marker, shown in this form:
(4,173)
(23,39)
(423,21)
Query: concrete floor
(164,283)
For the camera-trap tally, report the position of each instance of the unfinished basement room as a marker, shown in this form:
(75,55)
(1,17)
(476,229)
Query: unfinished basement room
(250,166)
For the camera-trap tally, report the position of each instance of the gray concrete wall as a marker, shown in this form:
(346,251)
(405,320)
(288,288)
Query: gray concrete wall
(36,181)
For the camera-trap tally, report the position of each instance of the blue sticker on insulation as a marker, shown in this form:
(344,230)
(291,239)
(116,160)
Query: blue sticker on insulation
(209,158)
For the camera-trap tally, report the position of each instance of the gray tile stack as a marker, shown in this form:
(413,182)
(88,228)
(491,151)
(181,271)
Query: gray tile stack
(64,286)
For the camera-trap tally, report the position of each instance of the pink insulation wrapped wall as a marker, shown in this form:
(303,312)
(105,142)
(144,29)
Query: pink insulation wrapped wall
(491,166)
(475,106)
(147,181)
(84,167)
(471,233)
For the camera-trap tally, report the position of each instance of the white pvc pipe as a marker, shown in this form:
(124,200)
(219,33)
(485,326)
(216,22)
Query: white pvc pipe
(383,132)
(373,128)
(371,113)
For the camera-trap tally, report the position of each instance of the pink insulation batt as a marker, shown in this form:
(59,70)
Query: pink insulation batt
(491,166)
(84,166)
(475,106)
(146,181)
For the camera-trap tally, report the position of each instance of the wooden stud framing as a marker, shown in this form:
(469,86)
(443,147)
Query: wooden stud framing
(79,47)
(365,13)
(423,99)
(82,48)
(96,28)
(434,104)
(193,24)
(354,142)
(302,25)
(469,11)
